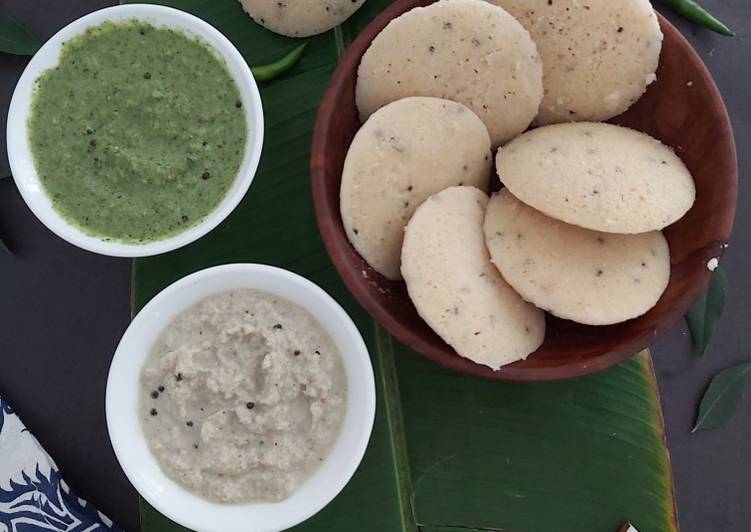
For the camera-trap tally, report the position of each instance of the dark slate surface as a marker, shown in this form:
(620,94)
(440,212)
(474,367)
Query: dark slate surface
(63,310)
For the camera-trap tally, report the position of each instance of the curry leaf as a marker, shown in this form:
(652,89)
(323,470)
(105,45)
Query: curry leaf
(706,312)
(722,397)
(4,172)
(15,38)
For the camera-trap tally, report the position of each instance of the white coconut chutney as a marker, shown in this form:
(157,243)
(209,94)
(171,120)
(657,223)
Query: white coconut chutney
(242,397)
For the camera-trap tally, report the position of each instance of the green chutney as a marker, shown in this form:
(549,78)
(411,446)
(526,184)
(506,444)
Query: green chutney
(138,133)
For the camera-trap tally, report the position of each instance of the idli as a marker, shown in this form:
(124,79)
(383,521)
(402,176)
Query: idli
(463,50)
(599,176)
(405,152)
(300,18)
(577,274)
(457,290)
(598,57)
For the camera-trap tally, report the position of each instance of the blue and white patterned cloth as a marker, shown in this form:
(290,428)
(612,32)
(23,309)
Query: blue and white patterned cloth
(33,496)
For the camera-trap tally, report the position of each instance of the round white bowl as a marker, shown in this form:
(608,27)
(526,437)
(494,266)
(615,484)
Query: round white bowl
(22,163)
(123,387)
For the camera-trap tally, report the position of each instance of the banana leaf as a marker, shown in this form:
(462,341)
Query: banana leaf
(448,453)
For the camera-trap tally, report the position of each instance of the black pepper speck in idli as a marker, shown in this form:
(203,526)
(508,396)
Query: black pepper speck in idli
(300,18)
(457,290)
(598,56)
(577,274)
(469,51)
(405,152)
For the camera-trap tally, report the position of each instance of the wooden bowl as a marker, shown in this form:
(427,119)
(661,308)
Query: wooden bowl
(683,109)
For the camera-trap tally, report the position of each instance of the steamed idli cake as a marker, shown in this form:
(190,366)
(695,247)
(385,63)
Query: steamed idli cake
(405,152)
(577,274)
(599,176)
(300,18)
(457,290)
(598,56)
(463,50)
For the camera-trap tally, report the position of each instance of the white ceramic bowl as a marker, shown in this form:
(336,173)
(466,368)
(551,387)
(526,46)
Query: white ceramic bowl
(123,386)
(19,153)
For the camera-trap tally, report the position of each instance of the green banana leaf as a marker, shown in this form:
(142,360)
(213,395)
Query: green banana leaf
(448,453)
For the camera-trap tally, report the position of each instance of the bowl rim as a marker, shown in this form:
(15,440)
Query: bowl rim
(123,386)
(21,160)
(329,225)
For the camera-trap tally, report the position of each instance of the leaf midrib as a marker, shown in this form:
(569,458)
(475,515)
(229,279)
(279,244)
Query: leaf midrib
(393,412)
